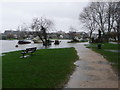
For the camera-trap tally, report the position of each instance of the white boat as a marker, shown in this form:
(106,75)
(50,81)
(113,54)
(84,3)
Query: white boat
(36,40)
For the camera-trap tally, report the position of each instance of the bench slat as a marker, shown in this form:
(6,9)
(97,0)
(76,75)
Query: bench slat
(29,50)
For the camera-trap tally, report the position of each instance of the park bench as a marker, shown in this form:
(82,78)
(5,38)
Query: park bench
(27,51)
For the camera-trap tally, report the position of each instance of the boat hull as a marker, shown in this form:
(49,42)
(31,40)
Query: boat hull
(23,42)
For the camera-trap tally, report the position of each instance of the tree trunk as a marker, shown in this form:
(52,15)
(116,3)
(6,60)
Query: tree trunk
(90,38)
(45,38)
(118,32)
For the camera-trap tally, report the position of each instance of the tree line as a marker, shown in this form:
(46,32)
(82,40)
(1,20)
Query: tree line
(103,16)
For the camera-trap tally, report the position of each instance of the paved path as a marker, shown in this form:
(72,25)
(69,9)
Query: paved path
(93,71)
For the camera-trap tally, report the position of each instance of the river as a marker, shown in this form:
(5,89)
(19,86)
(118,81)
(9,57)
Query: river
(9,45)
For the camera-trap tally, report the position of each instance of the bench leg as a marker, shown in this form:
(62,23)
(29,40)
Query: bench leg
(23,55)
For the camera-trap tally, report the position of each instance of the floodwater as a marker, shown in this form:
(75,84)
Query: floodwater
(112,50)
(9,45)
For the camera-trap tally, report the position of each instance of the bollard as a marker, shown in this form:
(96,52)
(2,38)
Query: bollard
(99,46)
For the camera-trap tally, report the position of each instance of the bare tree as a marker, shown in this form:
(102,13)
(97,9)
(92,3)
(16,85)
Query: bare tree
(103,16)
(23,31)
(72,33)
(41,26)
(110,17)
(99,9)
(87,17)
(113,17)
(117,19)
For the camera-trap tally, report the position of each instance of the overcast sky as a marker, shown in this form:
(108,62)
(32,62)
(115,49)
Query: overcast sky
(63,14)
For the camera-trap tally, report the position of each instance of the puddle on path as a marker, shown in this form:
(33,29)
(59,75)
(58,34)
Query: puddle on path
(77,63)
(86,68)
(83,65)
(104,62)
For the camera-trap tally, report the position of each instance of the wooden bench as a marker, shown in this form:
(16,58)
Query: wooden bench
(27,51)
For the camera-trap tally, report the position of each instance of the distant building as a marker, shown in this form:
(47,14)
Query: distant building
(11,34)
(78,35)
(59,35)
(60,32)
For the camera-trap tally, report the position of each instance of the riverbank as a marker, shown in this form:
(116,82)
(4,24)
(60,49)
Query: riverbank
(47,68)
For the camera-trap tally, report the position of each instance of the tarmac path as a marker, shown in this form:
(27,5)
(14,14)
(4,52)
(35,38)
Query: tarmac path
(92,71)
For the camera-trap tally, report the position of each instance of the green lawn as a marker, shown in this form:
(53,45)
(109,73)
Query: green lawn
(110,56)
(47,68)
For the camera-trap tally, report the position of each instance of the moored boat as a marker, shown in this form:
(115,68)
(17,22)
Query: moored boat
(36,40)
(23,42)
(57,42)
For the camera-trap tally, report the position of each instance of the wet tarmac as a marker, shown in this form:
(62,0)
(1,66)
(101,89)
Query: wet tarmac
(92,71)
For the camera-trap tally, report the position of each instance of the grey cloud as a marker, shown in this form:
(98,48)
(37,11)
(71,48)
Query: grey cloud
(63,14)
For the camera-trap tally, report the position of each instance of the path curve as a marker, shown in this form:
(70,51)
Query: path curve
(92,71)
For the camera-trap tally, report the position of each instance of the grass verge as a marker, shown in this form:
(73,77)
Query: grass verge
(47,68)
